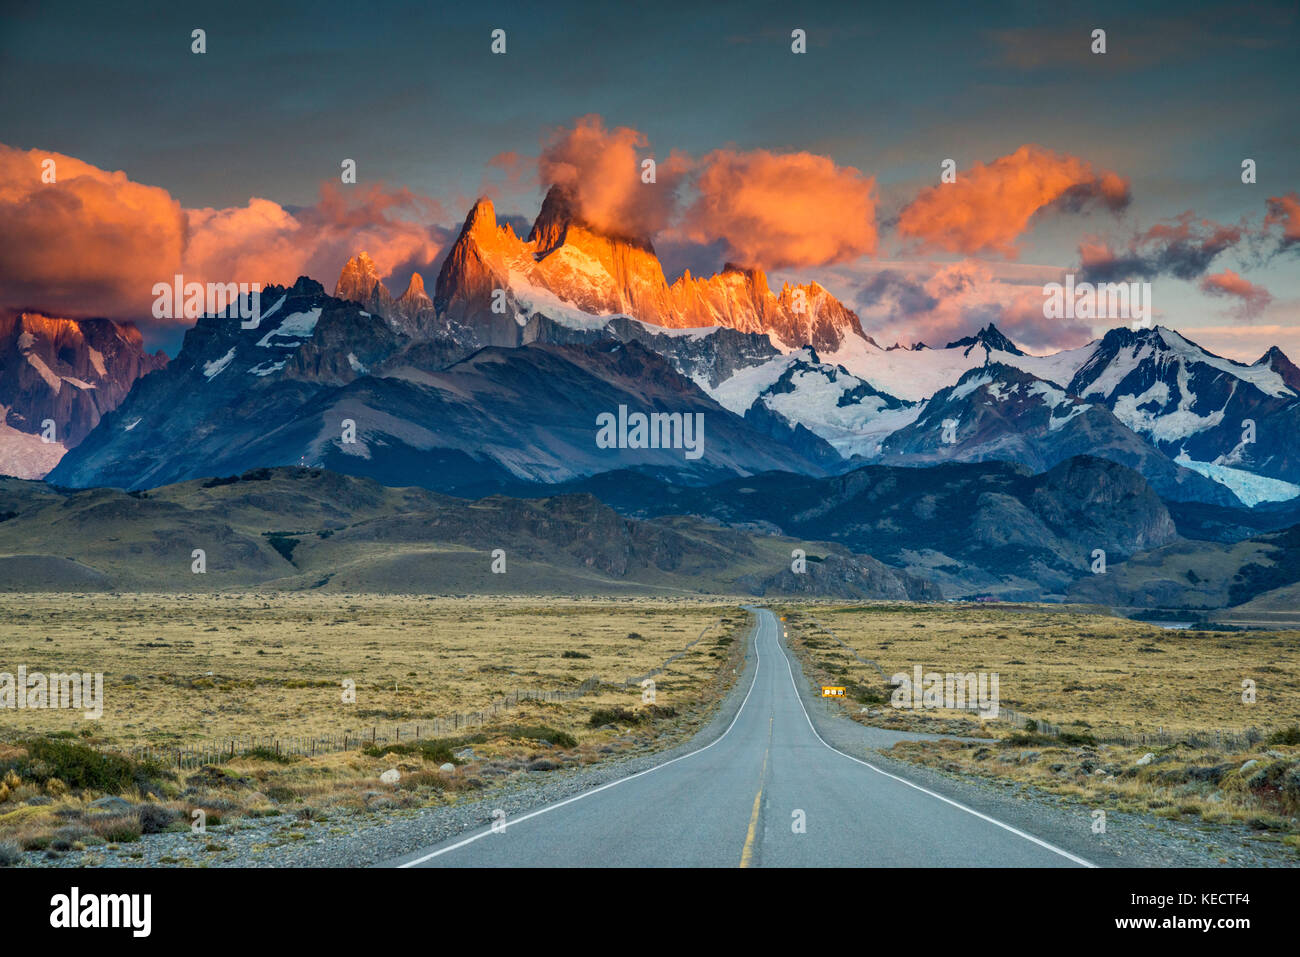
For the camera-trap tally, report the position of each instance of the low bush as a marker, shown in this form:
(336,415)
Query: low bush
(613,716)
(79,766)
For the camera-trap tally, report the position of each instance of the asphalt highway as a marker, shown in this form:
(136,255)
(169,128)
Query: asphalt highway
(768,792)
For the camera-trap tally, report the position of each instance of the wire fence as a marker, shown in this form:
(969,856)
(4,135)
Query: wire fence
(214,751)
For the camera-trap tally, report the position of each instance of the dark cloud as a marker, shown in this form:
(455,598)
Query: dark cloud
(1184,247)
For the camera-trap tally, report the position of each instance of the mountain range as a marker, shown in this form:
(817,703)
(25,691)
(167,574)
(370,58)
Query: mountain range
(500,374)
(971,467)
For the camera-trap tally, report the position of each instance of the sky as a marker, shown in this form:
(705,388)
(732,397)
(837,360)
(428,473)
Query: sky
(826,165)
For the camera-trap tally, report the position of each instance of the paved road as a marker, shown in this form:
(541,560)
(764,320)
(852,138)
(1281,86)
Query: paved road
(768,792)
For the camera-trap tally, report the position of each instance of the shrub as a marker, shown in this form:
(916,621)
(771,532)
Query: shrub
(574,654)
(79,766)
(613,716)
(1076,740)
(436,750)
(263,753)
(10,854)
(1289,735)
(1020,740)
(541,732)
(864,694)
(72,833)
(154,818)
(118,828)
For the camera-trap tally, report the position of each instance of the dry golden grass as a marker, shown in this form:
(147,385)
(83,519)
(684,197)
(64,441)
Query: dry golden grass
(179,669)
(1092,673)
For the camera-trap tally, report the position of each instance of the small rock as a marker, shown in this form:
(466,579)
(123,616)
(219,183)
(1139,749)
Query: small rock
(110,804)
(391,776)
(40,800)
(1145,759)
(465,754)
(1250,764)
(447,767)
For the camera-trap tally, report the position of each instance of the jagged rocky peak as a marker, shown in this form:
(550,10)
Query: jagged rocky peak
(482,217)
(560,216)
(1279,362)
(552,224)
(991,338)
(359,279)
(360,282)
(415,291)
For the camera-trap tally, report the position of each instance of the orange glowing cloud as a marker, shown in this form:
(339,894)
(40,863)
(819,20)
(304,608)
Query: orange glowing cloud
(89,237)
(990,205)
(603,171)
(94,242)
(779,210)
(263,242)
(1252,299)
(1284,211)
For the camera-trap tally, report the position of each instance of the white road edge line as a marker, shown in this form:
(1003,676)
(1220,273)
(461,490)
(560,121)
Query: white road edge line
(1006,827)
(758,661)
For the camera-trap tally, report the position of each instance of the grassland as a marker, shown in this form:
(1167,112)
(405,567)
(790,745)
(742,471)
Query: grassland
(180,670)
(1111,686)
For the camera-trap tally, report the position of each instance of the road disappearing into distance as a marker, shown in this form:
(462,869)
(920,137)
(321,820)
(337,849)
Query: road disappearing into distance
(769,792)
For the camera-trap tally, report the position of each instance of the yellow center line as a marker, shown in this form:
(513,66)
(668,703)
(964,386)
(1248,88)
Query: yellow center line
(747,854)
